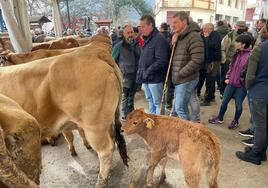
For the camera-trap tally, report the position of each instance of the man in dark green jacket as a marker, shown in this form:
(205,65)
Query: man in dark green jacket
(257,85)
(126,53)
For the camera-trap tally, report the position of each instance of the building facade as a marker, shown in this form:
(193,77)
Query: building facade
(202,11)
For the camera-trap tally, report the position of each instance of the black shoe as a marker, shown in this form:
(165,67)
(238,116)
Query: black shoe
(205,103)
(249,156)
(263,154)
(246,133)
(248,142)
(169,106)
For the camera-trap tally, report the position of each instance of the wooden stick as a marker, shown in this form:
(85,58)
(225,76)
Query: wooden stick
(165,85)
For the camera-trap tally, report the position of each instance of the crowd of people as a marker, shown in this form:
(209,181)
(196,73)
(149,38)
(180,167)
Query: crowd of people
(232,60)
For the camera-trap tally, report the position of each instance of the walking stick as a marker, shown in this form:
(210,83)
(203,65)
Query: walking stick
(165,84)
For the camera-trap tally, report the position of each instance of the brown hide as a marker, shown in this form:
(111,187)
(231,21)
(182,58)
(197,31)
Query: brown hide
(194,145)
(20,147)
(83,86)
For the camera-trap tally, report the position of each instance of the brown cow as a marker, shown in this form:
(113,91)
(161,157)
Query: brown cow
(195,146)
(63,43)
(20,147)
(20,58)
(83,86)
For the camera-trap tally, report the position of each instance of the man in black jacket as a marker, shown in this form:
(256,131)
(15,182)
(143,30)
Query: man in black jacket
(126,54)
(153,63)
(212,44)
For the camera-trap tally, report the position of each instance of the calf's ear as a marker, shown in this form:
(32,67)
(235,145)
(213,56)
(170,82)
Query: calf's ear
(149,123)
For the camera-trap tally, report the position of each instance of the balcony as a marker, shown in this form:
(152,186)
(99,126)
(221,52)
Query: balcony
(203,4)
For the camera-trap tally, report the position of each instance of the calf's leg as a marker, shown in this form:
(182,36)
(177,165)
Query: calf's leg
(162,164)
(154,160)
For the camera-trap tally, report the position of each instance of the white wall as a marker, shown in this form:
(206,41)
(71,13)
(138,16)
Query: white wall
(194,13)
(226,10)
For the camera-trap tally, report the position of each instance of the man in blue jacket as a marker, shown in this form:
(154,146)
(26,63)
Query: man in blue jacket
(153,63)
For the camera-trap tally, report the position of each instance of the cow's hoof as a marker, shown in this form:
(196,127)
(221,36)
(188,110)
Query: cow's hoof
(102,183)
(51,141)
(73,153)
(162,179)
(88,146)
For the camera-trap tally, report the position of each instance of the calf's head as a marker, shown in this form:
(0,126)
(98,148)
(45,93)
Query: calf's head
(138,121)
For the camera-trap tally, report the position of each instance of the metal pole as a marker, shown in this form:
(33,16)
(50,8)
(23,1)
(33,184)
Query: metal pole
(2,29)
(68,12)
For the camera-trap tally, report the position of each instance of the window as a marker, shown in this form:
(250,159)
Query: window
(221,2)
(218,17)
(229,2)
(228,18)
(236,3)
(235,19)
(242,5)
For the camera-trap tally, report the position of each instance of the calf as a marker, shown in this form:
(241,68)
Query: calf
(196,147)
(20,147)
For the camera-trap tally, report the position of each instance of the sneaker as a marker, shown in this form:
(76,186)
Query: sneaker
(248,142)
(215,120)
(263,154)
(213,100)
(246,133)
(234,124)
(249,156)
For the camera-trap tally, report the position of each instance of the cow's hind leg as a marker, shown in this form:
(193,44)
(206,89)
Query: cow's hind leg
(83,136)
(102,142)
(69,137)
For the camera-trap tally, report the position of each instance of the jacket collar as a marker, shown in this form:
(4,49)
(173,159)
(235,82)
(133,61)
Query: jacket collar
(152,34)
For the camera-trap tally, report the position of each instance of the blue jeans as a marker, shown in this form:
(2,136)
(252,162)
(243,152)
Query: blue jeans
(239,93)
(182,97)
(153,94)
(195,107)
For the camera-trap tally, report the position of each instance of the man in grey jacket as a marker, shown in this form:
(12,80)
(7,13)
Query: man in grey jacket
(187,60)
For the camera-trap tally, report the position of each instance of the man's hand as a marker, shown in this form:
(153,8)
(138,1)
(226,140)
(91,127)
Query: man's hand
(226,81)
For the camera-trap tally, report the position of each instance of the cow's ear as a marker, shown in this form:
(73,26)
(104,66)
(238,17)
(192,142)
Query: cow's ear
(149,123)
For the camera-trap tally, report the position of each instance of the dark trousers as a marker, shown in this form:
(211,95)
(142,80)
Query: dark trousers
(239,93)
(260,118)
(208,74)
(170,93)
(129,91)
(224,70)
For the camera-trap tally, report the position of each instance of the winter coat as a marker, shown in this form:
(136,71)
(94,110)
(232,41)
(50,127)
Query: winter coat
(153,59)
(237,66)
(212,45)
(127,57)
(188,56)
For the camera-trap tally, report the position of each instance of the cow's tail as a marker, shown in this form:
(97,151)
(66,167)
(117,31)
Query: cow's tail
(9,173)
(119,138)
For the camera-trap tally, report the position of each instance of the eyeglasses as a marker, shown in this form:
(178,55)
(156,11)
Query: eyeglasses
(129,32)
